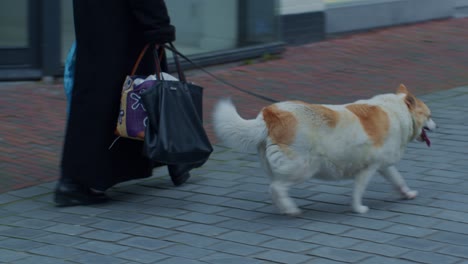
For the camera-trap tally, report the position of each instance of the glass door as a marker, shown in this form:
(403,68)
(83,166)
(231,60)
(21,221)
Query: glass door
(19,32)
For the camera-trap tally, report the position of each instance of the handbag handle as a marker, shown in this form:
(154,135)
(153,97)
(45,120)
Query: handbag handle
(158,61)
(177,64)
(140,57)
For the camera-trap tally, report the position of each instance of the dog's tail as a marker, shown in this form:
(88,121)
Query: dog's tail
(236,132)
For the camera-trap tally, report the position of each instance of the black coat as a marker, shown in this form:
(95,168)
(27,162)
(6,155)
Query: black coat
(109,34)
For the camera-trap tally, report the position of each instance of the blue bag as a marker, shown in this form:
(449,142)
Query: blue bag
(69,74)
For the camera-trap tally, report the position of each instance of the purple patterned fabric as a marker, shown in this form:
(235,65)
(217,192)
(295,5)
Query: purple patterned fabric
(132,116)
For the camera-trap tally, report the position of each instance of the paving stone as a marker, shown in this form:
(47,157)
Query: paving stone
(33,223)
(203,229)
(186,251)
(83,211)
(283,257)
(41,214)
(416,243)
(450,238)
(193,240)
(277,220)
(247,226)
(415,220)
(367,223)
(328,228)
(385,260)
(59,239)
(236,248)
(93,258)
(113,225)
(332,240)
(210,190)
(30,192)
(288,233)
(455,251)
(104,236)
(8,198)
(251,196)
(38,259)
(73,219)
(100,247)
(204,208)
(416,209)
(461,228)
(68,229)
(208,199)
(56,251)
(453,216)
(405,230)
(450,205)
(338,254)
(242,214)
(23,205)
(21,232)
(8,256)
(168,211)
(149,231)
(19,244)
(370,235)
(245,237)
(429,257)
(141,256)
(162,222)
(221,258)
(379,249)
(145,243)
(201,218)
(455,197)
(177,260)
(289,245)
(243,204)
(122,216)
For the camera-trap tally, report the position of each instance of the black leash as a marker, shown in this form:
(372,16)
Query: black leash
(175,51)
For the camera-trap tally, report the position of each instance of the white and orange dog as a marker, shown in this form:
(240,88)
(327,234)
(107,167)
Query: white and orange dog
(297,141)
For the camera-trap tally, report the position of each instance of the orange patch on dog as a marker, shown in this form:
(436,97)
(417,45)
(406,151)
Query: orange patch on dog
(328,115)
(374,121)
(281,125)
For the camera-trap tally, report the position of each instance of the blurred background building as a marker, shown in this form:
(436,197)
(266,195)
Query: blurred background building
(35,35)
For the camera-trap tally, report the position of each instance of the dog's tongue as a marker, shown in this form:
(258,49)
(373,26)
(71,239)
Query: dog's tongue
(425,138)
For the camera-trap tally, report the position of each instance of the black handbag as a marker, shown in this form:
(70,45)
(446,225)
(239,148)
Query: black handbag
(175,134)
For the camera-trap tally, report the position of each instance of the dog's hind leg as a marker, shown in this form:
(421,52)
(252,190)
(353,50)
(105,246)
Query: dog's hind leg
(279,193)
(284,169)
(392,175)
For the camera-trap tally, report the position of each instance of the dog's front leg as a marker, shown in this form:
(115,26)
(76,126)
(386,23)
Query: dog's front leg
(392,175)
(360,185)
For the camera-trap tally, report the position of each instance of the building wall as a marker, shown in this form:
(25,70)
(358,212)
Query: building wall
(302,21)
(361,15)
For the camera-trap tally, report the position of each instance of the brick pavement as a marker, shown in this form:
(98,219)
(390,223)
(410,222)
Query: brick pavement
(224,214)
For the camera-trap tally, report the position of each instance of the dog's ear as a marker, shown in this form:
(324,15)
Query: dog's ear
(402,89)
(410,99)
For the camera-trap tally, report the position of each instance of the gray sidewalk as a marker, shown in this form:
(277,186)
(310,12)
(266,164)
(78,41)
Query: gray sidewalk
(224,214)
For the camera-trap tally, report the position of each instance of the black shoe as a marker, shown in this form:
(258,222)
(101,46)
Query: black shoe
(179,173)
(180,179)
(70,194)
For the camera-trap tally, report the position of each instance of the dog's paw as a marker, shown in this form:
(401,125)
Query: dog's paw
(360,209)
(292,211)
(409,194)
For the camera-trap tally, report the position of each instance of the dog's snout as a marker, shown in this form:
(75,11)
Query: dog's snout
(430,125)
